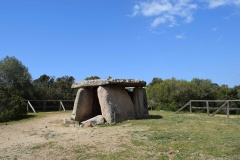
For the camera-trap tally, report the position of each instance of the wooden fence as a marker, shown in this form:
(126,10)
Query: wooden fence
(44,106)
(225,105)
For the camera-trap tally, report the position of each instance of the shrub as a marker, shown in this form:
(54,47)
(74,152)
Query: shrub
(12,106)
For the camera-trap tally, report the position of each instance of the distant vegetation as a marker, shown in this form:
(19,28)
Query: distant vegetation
(16,86)
(171,94)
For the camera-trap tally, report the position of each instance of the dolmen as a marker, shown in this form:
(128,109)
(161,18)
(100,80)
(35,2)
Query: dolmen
(114,100)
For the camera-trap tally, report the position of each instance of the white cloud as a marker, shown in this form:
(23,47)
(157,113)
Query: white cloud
(163,19)
(155,8)
(180,36)
(166,11)
(174,12)
(217,3)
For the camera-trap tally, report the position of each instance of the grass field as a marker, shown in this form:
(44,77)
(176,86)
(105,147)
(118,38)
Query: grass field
(165,135)
(183,136)
(187,136)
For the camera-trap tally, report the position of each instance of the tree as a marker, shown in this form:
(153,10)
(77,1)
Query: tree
(44,87)
(92,78)
(155,80)
(47,87)
(205,89)
(225,93)
(63,87)
(170,93)
(237,88)
(15,86)
(13,73)
(12,106)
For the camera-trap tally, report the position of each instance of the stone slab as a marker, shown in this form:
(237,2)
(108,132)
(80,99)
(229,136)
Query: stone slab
(101,82)
(83,105)
(116,104)
(140,102)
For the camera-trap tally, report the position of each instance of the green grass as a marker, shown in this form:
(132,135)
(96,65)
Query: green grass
(179,137)
(188,136)
(195,134)
(164,135)
(42,145)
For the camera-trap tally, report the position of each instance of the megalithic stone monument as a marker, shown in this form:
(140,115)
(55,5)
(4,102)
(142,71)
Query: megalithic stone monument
(115,99)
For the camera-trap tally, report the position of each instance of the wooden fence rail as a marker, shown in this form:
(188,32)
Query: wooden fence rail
(224,106)
(61,106)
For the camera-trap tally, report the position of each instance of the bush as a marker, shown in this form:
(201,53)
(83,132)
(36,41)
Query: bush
(12,106)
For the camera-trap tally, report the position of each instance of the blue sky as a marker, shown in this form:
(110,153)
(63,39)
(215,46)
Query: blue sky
(137,39)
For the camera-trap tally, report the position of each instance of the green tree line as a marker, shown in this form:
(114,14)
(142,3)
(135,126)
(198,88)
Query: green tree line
(17,86)
(171,94)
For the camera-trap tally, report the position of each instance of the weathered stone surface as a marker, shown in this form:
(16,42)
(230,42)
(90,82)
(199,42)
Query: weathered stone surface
(83,105)
(93,121)
(101,82)
(140,102)
(116,104)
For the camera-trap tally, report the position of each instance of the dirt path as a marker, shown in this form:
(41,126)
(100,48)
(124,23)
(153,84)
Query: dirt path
(49,138)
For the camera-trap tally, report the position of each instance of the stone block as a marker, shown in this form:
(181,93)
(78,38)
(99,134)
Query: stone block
(140,102)
(116,104)
(83,105)
(93,121)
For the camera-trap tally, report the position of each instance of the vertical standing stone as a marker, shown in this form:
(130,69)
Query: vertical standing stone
(140,102)
(83,105)
(116,104)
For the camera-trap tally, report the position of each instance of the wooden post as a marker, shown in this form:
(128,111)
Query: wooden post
(207,104)
(183,107)
(31,107)
(27,108)
(228,109)
(61,105)
(190,107)
(220,108)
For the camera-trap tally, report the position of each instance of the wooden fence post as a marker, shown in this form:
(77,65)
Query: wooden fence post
(61,105)
(190,107)
(207,104)
(228,109)
(31,106)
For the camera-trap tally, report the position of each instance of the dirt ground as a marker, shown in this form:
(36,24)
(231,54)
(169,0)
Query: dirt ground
(49,138)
